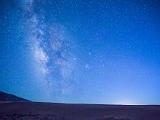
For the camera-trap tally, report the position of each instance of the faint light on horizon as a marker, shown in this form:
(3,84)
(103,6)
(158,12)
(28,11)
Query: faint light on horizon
(126,102)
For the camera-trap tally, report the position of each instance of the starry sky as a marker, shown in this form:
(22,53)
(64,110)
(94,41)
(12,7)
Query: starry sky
(81,51)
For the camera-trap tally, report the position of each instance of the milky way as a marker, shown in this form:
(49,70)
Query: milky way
(51,47)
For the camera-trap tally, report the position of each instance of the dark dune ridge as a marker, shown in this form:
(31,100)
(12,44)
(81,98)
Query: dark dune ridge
(9,97)
(53,111)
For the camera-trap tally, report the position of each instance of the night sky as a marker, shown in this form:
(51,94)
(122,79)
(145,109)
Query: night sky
(81,51)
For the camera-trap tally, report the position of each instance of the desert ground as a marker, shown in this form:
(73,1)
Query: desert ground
(14,108)
(53,111)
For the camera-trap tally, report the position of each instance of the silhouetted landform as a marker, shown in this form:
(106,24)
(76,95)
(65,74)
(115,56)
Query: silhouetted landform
(9,97)
(54,111)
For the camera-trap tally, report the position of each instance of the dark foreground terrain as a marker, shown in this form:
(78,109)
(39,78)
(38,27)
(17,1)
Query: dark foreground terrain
(26,110)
